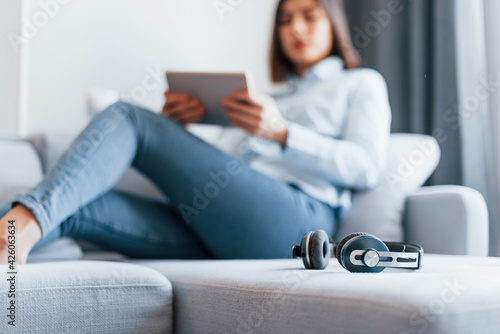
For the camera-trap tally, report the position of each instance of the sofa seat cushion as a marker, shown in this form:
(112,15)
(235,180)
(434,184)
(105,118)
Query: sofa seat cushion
(451,294)
(88,297)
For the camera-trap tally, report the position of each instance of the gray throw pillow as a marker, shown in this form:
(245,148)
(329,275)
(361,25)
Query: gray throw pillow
(412,158)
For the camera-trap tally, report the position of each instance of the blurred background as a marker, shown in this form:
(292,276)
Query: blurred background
(441,60)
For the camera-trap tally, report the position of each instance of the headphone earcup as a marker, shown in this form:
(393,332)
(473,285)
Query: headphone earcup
(359,241)
(319,250)
(343,242)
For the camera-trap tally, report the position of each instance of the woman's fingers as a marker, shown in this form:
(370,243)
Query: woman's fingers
(245,121)
(243,97)
(253,111)
(174,98)
(243,112)
(258,115)
(164,109)
(182,108)
(242,125)
(178,109)
(236,114)
(195,109)
(190,113)
(192,117)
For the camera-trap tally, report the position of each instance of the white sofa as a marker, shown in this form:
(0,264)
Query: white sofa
(76,287)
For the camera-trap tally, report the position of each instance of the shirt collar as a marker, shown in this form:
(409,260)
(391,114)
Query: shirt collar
(321,71)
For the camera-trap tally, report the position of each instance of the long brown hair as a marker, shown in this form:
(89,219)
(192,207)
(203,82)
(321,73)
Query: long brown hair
(342,44)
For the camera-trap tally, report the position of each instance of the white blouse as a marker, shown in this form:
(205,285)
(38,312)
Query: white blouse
(339,127)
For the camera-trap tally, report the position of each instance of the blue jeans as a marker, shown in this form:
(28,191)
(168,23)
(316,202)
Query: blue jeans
(217,207)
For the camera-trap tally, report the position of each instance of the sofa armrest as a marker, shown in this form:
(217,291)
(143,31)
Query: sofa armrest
(448,220)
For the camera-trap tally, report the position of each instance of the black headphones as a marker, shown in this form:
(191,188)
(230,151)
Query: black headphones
(358,252)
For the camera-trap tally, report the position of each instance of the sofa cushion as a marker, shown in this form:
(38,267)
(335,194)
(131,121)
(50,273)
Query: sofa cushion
(89,297)
(451,294)
(411,160)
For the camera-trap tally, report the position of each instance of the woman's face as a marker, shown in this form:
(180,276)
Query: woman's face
(305,32)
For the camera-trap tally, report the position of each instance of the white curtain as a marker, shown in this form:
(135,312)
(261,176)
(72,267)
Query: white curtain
(478,92)
(492,23)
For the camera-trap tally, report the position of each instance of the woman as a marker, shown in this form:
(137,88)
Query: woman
(323,138)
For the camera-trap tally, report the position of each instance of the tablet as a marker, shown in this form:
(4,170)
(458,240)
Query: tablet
(210,88)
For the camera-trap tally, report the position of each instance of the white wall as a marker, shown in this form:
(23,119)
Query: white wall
(114,43)
(9,67)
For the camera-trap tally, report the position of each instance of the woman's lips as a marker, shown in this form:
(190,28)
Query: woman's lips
(299,45)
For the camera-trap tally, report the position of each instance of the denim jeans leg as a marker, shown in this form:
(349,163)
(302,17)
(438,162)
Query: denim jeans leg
(135,226)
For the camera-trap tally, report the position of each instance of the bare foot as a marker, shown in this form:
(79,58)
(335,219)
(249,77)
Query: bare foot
(20,230)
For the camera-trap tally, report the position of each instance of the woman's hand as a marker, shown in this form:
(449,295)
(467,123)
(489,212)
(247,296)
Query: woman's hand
(258,115)
(183,108)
